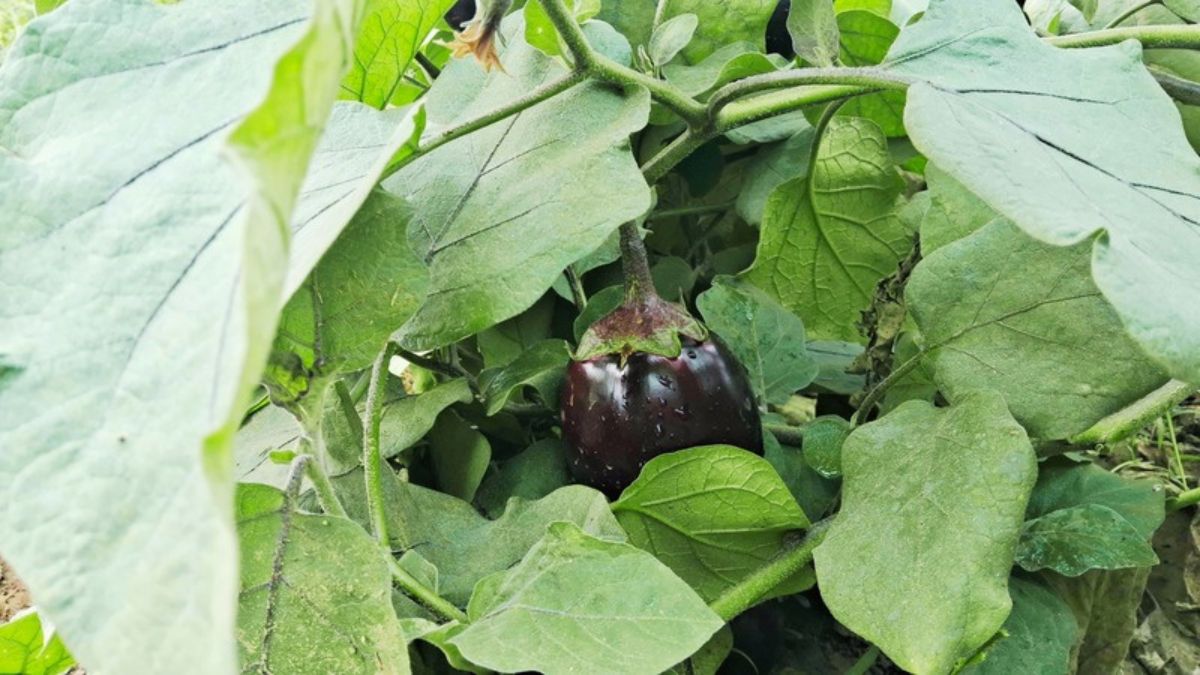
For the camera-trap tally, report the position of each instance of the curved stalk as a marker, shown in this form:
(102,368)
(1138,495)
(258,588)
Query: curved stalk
(753,588)
(1151,37)
(372,461)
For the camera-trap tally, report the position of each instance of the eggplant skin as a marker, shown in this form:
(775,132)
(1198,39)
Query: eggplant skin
(618,417)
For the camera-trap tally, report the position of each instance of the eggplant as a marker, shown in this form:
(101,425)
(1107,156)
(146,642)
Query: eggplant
(619,413)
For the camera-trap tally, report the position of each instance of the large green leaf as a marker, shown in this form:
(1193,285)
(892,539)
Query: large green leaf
(828,238)
(464,545)
(917,560)
(954,211)
(766,338)
(357,146)
(500,213)
(1000,309)
(770,168)
(142,278)
(1074,540)
(1067,144)
(316,593)
(26,648)
(366,285)
(721,23)
(540,367)
(712,514)
(814,31)
(866,38)
(1038,635)
(575,601)
(731,62)
(532,474)
(460,455)
(1063,485)
(392,32)
(1105,604)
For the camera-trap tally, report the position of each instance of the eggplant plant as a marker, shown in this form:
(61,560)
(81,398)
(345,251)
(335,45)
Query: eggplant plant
(391,336)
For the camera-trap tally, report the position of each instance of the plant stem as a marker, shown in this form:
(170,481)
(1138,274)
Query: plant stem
(866,78)
(1184,500)
(639,284)
(1151,37)
(864,662)
(787,435)
(590,62)
(372,462)
(326,495)
(427,363)
(419,592)
(1180,89)
(1130,12)
(349,410)
(752,589)
(872,398)
(703,209)
(675,152)
(430,69)
(1136,416)
(578,295)
(775,103)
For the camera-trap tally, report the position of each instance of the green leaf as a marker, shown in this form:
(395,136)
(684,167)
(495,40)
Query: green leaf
(1189,10)
(358,144)
(834,359)
(765,337)
(813,492)
(1074,540)
(866,38)
(541,366)
(1038,635)
(772,167)
(823,441)
(984,75)
(828,238)
(918,384)
(1105,604)
(27,650)
(880,7)
(999,309)
(365,287)
(599,306)
(917,560)
(1066,485)
(729,63)
(464,545)
(141,278)
(316,592)
(632,18)
(407,420)
(954,211)
(712,514)
(671,37)
(501,212)
(721,23)
(709,658)
(270,430)
(460,454)
(504,342)
(532,474)
(814,30)
(546,612)
(392,32)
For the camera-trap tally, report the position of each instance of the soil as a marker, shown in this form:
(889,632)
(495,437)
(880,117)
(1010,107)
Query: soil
(13,595)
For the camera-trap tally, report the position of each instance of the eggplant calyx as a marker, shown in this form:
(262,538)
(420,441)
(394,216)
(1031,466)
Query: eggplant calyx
(643,323)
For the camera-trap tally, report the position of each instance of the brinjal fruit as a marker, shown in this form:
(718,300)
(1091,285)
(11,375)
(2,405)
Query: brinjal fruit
(648,379)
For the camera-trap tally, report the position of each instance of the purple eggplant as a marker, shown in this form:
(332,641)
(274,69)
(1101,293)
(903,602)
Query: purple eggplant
(620,413)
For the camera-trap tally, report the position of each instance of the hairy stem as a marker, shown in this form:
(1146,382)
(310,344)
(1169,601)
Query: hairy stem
(422,594)
(790,560)
(638,282)
(867,78)
(787,435)
(701,210)
(873,397)
(578,295)
(372,461)
(326,495)
(349,410)
(1136,416)
(1151,37)
(770,104)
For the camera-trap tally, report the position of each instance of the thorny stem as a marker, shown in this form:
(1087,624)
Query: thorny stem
(372,461)
(638,282)
(753,588)
(1139,414)
(876,393)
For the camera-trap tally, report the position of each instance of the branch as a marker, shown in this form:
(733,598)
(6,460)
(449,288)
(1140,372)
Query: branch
(786,434)
(877,392)
(419,592)
(871,79)
(372,462)
(790,560)
(1151,37)
(326,495)
(1136,416)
